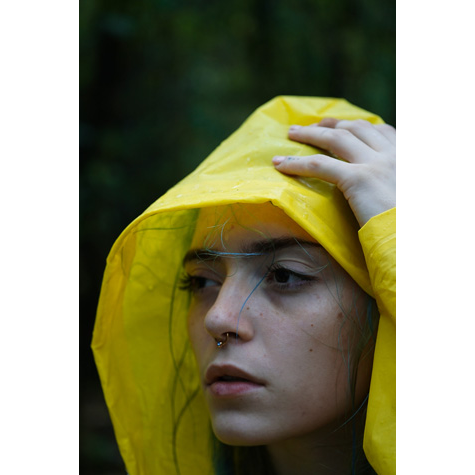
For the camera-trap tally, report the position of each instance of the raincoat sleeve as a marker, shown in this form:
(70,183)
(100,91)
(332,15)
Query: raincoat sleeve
(378,240)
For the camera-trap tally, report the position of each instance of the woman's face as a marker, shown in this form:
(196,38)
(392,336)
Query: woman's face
(292,315)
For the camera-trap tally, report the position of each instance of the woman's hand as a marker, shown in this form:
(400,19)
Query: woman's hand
(367,177)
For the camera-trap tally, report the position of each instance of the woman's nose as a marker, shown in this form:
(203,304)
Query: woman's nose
(231,313)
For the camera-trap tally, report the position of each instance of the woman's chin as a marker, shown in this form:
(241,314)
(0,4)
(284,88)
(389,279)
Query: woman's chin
(237,439)
(240,436)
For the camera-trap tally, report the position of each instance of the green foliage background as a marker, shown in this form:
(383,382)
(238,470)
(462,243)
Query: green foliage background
(163,82)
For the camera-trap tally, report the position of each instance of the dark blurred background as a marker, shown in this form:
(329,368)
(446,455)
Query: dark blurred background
(163,82)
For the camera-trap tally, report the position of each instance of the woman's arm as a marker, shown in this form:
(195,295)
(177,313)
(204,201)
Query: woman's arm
(367,176)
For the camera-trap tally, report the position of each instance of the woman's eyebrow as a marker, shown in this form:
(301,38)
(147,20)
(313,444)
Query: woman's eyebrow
(267,246)
(253,249)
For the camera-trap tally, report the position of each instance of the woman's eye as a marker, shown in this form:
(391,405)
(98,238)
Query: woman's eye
(286,279)
(194,284)
(282,276)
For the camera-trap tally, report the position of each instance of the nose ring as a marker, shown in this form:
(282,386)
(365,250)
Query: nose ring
(221,342)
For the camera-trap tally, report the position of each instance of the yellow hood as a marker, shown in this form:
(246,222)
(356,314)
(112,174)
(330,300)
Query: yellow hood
(140,345)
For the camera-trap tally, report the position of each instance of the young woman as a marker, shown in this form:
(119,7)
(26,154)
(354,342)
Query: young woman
(236,328)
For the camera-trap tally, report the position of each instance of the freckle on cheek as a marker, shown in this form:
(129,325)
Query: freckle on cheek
(310,349)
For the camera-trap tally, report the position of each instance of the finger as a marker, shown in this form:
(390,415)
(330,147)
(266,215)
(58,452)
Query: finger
(388,131)
(315,166)
(362,130)
(339,142)
(366,132)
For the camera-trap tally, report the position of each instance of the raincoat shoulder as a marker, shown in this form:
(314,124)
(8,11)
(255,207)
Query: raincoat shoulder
(378,239)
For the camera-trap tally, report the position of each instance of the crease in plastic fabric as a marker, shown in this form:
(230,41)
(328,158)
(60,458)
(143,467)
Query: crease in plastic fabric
(145,364)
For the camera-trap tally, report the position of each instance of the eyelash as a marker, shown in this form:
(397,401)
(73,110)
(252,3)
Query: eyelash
(193,283)
(275,269)
(188,283)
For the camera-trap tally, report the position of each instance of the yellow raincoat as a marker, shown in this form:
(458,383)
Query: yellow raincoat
(140,343)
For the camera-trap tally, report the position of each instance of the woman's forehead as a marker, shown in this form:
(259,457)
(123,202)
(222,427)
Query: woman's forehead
(222,226)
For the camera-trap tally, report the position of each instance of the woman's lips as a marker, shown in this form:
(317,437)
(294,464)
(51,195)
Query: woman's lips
(228,380)
(232,388)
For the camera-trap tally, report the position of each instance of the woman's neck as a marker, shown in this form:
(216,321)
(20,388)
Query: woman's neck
(329,455)
(295,459)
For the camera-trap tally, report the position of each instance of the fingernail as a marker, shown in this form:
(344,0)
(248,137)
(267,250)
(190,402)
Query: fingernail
(278,160)
(293,128)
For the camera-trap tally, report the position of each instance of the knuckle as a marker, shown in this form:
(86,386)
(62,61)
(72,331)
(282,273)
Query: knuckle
(357,124)
(338,137)
(332,134)
(314,163)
